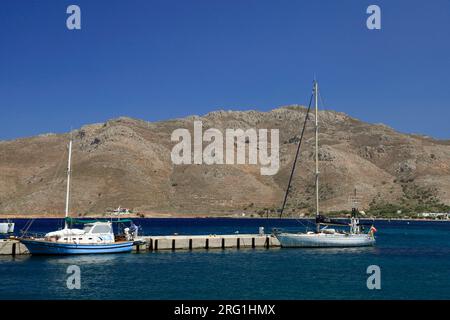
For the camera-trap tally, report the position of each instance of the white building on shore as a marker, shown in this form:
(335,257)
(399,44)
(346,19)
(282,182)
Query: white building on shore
(435,215)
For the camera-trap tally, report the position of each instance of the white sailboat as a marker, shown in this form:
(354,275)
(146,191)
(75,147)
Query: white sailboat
(324,236)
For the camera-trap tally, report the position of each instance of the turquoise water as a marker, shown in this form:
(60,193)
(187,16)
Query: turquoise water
(414,258)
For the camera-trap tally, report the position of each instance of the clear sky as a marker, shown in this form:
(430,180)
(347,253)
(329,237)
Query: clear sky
(158,60)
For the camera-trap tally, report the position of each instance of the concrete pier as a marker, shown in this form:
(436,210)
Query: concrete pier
(12,247)
(174,242)
(190,242)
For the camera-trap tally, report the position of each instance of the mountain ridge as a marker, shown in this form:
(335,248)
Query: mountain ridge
(126,162)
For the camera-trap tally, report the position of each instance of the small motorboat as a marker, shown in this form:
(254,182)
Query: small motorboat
(6,227)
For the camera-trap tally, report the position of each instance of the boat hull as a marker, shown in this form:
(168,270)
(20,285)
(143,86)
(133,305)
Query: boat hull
(42,247)
(6,227)
(321,240)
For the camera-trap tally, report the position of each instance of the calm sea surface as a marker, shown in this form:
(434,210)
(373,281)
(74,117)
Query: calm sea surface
(414,258)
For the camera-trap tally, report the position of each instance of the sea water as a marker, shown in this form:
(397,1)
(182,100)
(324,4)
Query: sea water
(413,257)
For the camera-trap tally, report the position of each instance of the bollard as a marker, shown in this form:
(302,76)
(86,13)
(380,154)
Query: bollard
(223,243)
(150,244)
(13,250)
(190,244)
(173,244)
(156,244)
(253,242)
(238,244)
(207,244)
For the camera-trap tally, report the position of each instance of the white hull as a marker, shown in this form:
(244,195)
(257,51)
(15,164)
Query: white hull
(7,227)
(323,240)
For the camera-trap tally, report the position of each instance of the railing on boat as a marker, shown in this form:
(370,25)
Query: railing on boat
(28,234)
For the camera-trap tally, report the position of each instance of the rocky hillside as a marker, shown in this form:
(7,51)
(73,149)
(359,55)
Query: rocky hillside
(127,162)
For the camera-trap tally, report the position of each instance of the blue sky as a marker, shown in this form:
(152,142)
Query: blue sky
(158,60)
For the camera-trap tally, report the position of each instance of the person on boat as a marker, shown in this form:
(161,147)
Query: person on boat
(133,230)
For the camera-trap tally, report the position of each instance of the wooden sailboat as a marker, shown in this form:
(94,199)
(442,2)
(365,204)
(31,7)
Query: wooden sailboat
(95,237)
(324,237)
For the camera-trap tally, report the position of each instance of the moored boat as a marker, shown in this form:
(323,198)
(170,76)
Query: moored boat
(324,237)
(6,227)
(95,237)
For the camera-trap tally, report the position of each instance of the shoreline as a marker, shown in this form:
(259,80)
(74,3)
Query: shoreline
(190,216)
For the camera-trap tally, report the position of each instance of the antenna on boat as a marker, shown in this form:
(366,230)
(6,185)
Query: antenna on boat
(355,200)
(68,183)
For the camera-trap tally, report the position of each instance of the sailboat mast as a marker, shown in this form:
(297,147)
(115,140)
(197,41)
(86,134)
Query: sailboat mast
(316,93)
(68,184)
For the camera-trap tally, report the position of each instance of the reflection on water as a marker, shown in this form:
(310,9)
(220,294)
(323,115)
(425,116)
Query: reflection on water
(17,259)
(335,251)
(91,259)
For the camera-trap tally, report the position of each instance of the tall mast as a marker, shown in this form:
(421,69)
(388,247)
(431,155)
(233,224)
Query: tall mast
(316,94)
(68,183)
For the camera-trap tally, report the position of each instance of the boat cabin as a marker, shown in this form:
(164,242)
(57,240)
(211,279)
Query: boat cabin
(96,232)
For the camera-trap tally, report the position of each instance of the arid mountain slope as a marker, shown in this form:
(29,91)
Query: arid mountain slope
(127,162)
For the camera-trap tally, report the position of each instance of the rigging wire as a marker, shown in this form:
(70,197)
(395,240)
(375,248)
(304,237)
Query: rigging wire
(29,223)
(296,157)
(321,99)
